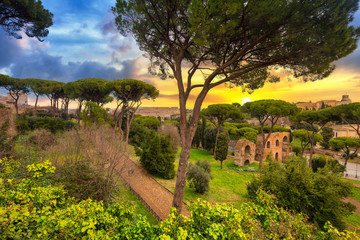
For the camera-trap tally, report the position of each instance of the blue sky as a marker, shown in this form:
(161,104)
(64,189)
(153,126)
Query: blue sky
(83,42)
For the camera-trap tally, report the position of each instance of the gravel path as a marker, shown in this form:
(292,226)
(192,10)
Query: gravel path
(157,198)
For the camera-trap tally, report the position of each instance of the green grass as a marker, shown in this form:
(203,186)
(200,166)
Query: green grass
(227,185)
(354,221)
(124,194)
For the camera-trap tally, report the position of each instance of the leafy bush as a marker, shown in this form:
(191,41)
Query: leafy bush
(31,210)
(26,123)
(147,121)
(94,114)
(318,195)
(323,161)
(157,155)
(199,175)
(83,181)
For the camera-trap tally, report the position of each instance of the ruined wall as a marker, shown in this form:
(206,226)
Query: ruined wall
(244,152)
(278,145)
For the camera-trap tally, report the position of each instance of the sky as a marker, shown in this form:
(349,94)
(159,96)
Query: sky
(84,43)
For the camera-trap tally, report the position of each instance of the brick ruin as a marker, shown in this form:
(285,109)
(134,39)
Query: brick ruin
(278,144)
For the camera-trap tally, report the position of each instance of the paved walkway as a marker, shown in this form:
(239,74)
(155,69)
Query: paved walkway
(156,198)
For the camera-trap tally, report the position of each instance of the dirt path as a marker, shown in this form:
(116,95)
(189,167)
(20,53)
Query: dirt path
(157,198)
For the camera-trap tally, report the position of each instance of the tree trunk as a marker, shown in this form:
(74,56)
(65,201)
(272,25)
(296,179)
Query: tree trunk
(221,164)
(36,100)
(187,135)
(16,106)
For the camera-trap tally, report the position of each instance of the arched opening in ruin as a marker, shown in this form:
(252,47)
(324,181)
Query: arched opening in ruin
(285,139)
(277,156)
(247,149)
(277,143)
(268,144)
(247,162)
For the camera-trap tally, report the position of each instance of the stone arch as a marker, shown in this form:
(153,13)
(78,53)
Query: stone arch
(247,162)
(247,149)
(277,142)
(277,156)
(268,144)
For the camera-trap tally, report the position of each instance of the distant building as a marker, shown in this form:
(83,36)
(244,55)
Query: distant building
(323,103)
(164,113)
(8,100)
(344,131)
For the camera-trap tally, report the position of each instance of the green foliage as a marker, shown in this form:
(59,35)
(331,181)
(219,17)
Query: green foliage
(348,114)
(327,134)
(296,187)
(31,210)
(303,136)
(240,130)
(83,180)
(94,114)
(276,128)
(91,89)
(157,155)
(323,161)
(26,123)
(29,16)
(150,122)
(209,138)
(222,147)
(6,144)
(199,175)
(137,134)
(218,113)
(346,144)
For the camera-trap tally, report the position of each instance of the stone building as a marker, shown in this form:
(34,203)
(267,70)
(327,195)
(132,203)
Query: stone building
(345,131)
(319,104)
(244,152)
(278,144)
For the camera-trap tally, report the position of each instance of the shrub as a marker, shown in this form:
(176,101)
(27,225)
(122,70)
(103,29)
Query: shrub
(31,210)
(210,136)
(157,155)
(41,138)
(83,181)
(322,161)
(222,147)
(199,175)
(26,123)
(94,114)
(296,187)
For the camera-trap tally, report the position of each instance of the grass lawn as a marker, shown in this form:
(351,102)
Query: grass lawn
(353,221)
(124,194)
(227,186)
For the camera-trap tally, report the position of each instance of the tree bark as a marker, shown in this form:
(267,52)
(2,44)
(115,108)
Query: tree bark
(36,100)
(187,135)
